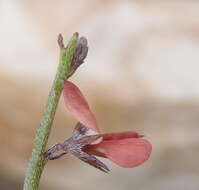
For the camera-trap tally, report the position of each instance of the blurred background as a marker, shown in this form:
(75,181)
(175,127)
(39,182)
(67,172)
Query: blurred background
(141,73)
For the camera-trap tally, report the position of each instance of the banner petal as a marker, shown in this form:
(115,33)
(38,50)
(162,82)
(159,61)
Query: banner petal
(78,106)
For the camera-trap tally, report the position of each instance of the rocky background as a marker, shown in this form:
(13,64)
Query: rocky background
(141,73)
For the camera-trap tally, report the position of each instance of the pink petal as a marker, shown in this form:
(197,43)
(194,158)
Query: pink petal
(127,153)
(121,135)
(78,106)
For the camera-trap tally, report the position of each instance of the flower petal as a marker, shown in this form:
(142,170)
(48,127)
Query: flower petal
(127,153)
(78,106)
(121,135)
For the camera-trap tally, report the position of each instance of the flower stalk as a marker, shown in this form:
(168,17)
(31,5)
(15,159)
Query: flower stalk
(37,160)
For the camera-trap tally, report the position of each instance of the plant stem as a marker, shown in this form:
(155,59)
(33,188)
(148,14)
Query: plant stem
(37,161)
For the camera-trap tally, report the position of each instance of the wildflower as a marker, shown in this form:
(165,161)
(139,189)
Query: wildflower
(127,149)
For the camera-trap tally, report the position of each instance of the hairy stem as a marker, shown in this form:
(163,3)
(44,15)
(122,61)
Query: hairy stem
(37,161)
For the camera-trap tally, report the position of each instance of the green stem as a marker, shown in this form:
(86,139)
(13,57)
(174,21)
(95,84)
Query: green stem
(37,161)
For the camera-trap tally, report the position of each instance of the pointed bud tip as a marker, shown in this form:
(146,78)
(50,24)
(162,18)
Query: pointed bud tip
(76,34)
(60,41)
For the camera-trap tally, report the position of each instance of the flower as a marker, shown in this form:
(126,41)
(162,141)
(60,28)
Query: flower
(127,149)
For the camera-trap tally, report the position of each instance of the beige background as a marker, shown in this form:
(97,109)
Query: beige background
(141,74)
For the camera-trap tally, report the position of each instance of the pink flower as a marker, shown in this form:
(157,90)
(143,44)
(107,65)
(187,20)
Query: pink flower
(127,149)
